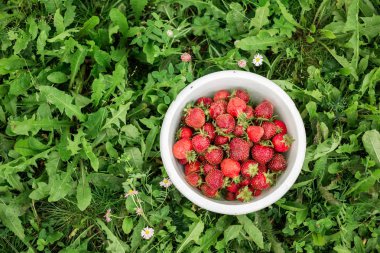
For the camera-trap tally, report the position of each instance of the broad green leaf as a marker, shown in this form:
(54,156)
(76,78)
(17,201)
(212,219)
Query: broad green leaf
(63,35)
(253,232)
(127,225)
(90,154)
(261,41)
(33,125)
(149,51)
(118,18)
(9,217)
(21,84)
(135,156)
(21,42)
(193,234)
(89,25)
(138,6)
(118,78)
(370,26)
(14,180)
(287,15)
(327,146)
(364,184)
(291,206)
(261,17)
(150,141)
(69,17)
(60,185)
(58,22)
(115,245)
(76,61)
(83,192)
(117,116)
(344,63)
(33,27)
(95,122)
(29,146)
(232,232)
(130,133)
(98,87)
(111,150)
(136,235)
(41,43)
(341,249)
(57,77)
(352,23)
(371,143)
(41,192)
(11,64)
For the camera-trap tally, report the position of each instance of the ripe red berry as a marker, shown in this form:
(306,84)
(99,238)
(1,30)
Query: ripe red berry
(244,194)
(230,168)
(194,179)
(246,181)
(206,168)
(182,161)
(264,110)
(262,168)
(209,129)
(239,131)
(239,149)
(218,108)
(192,167)
(221,95)
(262,154)
(226,123)
(220,140)
(236,106)
(208,191)
(256,192)
(255,133)
(232,187)
(204,101)
(282,142)
(200,143)
(230,196)
(269,130)
(214,179)
(260,182)
(184,133)
(280,127)
(214,155)
(195,117)
(181,148)
(242,94)
(249,112)
(249,168)
(278,163)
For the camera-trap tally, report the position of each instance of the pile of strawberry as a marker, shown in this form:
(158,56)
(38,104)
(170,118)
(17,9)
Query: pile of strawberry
(229,148)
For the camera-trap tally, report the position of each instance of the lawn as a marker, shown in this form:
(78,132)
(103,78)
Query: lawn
(84,87)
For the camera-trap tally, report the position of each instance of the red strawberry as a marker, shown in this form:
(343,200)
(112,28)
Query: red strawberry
(278,163)
(239,149)
(232,187)
(200,143)
(214,179)
(242,94)
(280,127)
(230,168)
(269,130)
(214,155)
(262,168)
(239,131)
(246,181)
(220,140)
(256,192)
(184,133)
(204,101)
(182,161)
(225,122)
(230,196)
(264,110)
(208,191)
(260,182)
(236,106)
(262,154)
(255,133)
(194,179)
(221,95)
(201,158)
(217,108)
(249,168)
(282,142)
(182,148)
(249,112)
(244,194)
(192,167)
(209,129)
(208,167)
(195,117)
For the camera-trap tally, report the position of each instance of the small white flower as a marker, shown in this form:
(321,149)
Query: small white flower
(166,183)
(139,211)
(130,193)
(242,63)
(147,233)
(169,33)
(257,60)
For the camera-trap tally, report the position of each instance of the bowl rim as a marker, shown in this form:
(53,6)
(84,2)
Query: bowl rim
(203,201)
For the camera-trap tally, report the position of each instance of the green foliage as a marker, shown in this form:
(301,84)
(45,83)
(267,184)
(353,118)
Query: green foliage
(85,86)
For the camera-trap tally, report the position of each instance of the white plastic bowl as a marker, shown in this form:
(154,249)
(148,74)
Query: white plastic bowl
(259,88)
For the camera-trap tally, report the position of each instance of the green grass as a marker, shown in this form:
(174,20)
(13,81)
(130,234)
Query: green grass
(84,86)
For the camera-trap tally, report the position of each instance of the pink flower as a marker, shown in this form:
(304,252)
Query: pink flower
(107,216)
(131,193)
(139,211)
(242,63)
(185,57)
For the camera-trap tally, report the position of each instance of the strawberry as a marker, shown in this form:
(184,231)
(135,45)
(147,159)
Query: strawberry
(182,161)
(249,112)
(282,142)
(264,110)
(200,143)
(278,163)
(255,192)
(214,155)
(239,131)
(208,191)
(246,181)
(262,168)
(269,130)
(239,149)
(221,95)
(206,168)
(204,101)
(209,130)
(230,168)
(230,196)
(195,117)
(260,182)
(255,133)
(225,122)
(214,179)
(194,179)
(262,154)
(249,168)
(232,187)
(201,158)
(192,167)
(220,140)
(244,194)
(280,127)
(236,106)
(184,133)
(182,148)
(217,108)
(242,94)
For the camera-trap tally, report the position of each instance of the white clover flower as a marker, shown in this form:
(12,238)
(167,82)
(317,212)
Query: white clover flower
(170,33)
(107,216)
(242,63)
(257,60)
(147,233)
(166,183)
(185,57)
(139,211)
(130,193)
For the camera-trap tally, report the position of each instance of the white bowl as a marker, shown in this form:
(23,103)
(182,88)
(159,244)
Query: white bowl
(259,88)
